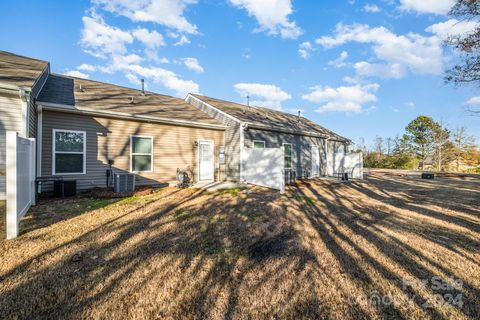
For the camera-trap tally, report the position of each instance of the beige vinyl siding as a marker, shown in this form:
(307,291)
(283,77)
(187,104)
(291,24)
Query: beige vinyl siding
(232,139)
(10,120)
(301,148)
(108,138)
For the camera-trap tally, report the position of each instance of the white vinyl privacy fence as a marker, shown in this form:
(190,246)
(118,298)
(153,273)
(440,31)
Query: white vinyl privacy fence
(264,167)
(20,180)
(351,163)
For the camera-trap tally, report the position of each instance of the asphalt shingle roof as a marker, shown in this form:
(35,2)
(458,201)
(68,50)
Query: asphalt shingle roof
(19,71)
(264,117)
(100,96)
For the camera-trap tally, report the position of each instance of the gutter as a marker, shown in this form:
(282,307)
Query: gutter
(128,116)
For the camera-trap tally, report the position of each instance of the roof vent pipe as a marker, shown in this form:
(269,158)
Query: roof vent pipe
(299,114)
(143,86)
(80,87)
(248,104)
(132,100)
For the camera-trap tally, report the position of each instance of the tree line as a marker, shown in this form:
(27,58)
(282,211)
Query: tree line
(425,145)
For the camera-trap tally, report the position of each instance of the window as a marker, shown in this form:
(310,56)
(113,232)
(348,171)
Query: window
(258,144)
(69,151)
(141,154)
(288,155)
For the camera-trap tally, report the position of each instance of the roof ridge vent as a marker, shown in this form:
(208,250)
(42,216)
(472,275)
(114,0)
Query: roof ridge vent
(80,88)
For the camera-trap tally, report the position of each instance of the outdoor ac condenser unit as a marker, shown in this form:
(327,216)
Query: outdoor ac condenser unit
(124,182)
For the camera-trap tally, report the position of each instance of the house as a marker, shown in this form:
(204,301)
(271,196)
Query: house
(310,150)
(21,80)
(84,127)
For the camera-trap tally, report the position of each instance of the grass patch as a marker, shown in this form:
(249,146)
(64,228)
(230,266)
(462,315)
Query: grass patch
(182,215)
(129,199)
(306,200)
(249,215)
(232,191)
(323,252)
(95,204)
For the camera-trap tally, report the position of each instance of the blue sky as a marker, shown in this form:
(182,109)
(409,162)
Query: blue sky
(360,68)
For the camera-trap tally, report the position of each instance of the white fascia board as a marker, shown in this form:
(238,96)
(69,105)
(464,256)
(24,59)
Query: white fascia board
(46,69)
(212,107)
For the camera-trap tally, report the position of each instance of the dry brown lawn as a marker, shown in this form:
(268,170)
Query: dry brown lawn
(385,247)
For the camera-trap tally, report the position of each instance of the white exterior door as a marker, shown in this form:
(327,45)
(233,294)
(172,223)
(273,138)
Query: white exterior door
(315,162)
(205,161)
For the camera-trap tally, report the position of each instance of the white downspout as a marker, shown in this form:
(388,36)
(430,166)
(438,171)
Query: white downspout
(243,127)
(39,139)
(25,97)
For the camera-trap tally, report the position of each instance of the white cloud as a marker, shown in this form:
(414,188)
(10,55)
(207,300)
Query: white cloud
(193,64)
(87,67)
(340,61)
(169,13)
(99,38)
(164,77)
(305,49)
(151,39)
(371,8)
(77,74)
(110,43)
(421,55)
(267,95)
(393,70)
(453,27)
(247,53)
(272,16)
(427,6)
(131,66)
(133,79)
(182,41)
(473,102)
(348,99)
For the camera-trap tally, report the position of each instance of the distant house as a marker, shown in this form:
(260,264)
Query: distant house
(309,148)
(82,127)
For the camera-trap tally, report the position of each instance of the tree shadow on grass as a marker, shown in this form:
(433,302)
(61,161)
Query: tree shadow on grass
(179,255)
(50,211)
(366,224)
(193,254)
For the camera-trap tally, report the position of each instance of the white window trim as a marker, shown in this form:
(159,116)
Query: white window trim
(54,172)
(141,154)
(258,141)
(291,155)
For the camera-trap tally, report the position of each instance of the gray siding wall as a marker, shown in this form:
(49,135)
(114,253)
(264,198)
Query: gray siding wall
(301,147)
(232,139)
(10,120)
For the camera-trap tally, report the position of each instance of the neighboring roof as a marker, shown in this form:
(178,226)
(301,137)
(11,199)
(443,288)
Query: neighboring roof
(82,94)
(19,71)
(268,118)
